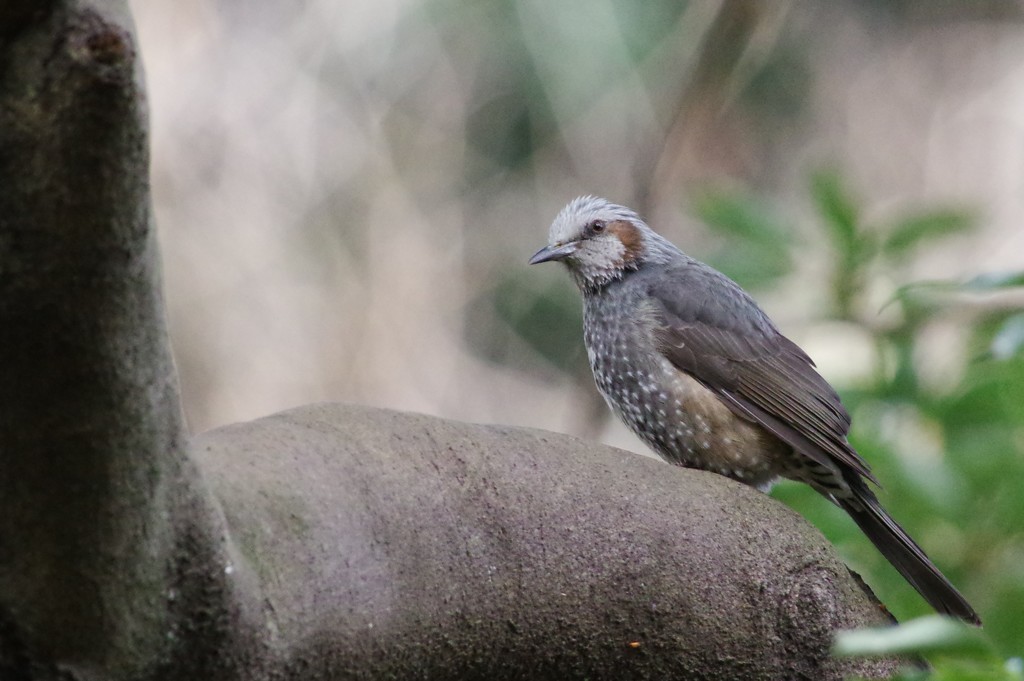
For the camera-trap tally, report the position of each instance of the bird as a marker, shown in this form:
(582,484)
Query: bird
(696,369)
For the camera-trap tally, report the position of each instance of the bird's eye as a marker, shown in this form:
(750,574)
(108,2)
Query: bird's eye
(596,227)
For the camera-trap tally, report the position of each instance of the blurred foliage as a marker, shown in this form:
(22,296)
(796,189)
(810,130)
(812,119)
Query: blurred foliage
(959,652)
(758,249)
(949,457)
(546,317)
(857,244)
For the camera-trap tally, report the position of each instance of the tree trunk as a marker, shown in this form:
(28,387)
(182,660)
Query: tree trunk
(328,542)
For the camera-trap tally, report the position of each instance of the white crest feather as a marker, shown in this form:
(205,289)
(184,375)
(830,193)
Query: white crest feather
(601,259)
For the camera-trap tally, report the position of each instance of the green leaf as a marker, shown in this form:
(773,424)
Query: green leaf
(740,216)
(919,291)
(1009,339)
(525,318)
(758,252)
(932,634)
(909,232)
(994,281)
(836,206)
(750,265)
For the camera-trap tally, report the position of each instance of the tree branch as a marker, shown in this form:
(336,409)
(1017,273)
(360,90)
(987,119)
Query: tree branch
(90,428)
(392,545)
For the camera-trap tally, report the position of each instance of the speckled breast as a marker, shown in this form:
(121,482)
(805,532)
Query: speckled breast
(671,412)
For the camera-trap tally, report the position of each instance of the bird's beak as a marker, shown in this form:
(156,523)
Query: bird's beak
(555,252)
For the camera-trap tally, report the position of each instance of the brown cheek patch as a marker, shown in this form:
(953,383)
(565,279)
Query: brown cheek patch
(630,237)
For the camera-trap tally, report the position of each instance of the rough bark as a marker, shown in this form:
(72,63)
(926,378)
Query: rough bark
(89,420)
(328,542)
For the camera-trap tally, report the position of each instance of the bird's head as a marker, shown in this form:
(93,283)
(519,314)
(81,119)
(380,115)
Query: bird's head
(600,242)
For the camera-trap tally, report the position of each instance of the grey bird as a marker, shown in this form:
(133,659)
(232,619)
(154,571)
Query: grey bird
(699,372)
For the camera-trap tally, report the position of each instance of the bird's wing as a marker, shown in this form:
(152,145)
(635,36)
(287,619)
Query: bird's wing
(709,328)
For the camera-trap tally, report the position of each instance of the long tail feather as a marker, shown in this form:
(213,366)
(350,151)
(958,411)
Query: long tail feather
(905,555)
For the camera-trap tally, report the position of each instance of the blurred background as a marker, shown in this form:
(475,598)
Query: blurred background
(347,194)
